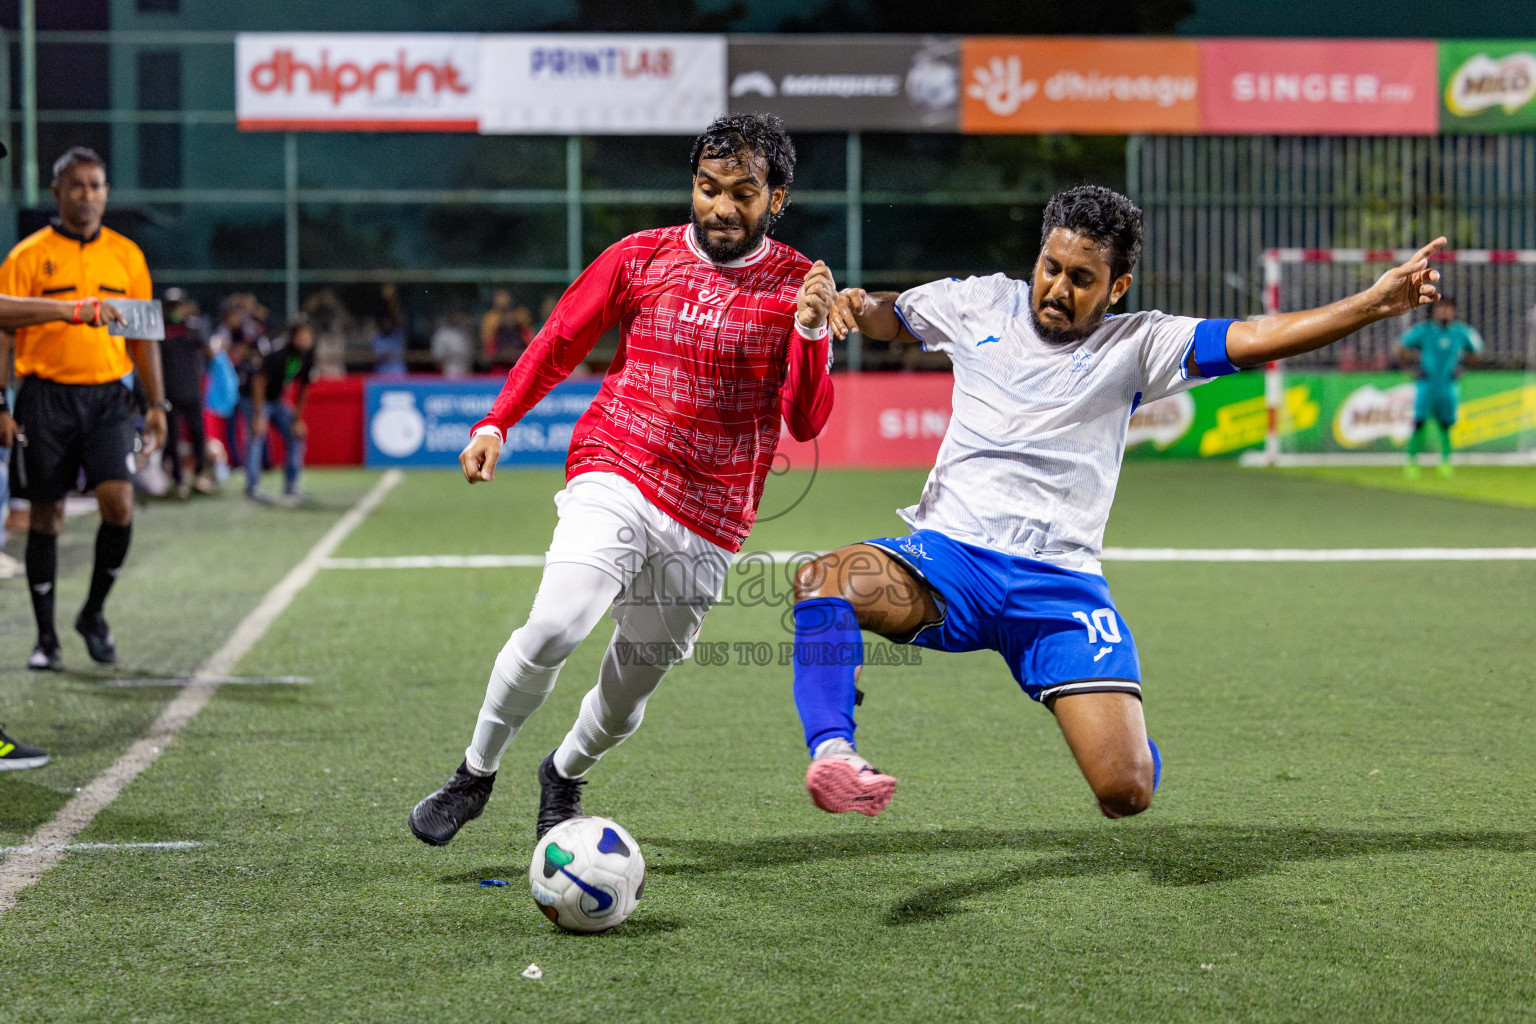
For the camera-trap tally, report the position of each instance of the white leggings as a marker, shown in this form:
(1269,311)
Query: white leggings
(658,597)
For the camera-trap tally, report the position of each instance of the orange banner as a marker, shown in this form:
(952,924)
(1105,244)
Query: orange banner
(1079,86)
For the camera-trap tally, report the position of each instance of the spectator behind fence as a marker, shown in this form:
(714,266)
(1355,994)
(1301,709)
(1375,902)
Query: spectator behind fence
(452,347)
(241,336)
(334,328)
(503,334)
(292,360)
(184,364)
(389,333)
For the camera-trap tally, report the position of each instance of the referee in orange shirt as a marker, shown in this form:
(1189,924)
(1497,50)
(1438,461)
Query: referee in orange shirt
(73,411)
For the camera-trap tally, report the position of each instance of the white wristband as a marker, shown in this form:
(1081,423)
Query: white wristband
(492,431)
(810,334)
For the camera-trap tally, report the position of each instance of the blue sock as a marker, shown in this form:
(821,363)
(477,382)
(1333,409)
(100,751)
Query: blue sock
(1157,764)
(828,648)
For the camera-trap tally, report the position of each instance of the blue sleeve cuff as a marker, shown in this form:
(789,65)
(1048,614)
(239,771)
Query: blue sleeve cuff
(902,317)
(1210,348)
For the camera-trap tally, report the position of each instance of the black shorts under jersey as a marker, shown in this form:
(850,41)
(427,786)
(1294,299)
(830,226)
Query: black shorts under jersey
(64,428)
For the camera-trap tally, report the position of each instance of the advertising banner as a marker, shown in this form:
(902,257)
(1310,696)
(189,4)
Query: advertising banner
(353,81)
(1373,412)
(1488,86)
(1079,86)
(878,419)
(849,83)
(1219,419)
(899,420)
(424,422)
(603,84)
(1319,87)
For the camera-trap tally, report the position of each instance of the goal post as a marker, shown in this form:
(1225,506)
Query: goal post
(1495,291)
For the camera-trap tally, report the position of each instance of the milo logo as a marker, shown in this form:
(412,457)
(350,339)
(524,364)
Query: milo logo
(1483,82)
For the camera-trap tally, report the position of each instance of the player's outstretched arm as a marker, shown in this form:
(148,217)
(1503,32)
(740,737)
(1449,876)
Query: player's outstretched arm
(1398,291)
(873,313)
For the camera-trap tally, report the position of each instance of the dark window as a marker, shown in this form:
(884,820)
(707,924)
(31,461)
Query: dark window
(159,81)
(158,6)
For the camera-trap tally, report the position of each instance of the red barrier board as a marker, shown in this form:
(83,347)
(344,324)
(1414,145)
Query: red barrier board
(1319,87)
(334,413)
(878,420)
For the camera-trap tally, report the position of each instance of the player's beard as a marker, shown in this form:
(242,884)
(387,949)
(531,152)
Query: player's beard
(1074,332)
(725,252)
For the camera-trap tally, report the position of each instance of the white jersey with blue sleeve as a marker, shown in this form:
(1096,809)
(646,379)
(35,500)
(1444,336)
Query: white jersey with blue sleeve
(1029,463)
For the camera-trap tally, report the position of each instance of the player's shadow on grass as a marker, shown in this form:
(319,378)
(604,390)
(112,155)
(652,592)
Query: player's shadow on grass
(1166,855)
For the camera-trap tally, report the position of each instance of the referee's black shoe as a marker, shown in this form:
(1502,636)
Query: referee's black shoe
(439,817)
(46,656)
(16,756)
(98,637)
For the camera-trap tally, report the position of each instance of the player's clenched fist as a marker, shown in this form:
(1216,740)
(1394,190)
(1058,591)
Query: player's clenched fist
(479,459)
(850,305)
(818,292)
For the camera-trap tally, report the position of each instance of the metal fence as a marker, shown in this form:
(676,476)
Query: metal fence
(1214,204)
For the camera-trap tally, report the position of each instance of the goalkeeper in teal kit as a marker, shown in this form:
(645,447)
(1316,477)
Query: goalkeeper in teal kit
(1440,343)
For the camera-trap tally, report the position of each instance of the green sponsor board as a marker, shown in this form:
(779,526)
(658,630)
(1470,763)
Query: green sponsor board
(1330,412)
(1487,86)
(1223,417)
(1373,412)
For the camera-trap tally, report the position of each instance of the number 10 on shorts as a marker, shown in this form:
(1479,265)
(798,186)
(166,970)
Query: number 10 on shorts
(1101,623)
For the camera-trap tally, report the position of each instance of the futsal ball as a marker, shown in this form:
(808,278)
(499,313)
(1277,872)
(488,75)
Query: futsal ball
(587,874)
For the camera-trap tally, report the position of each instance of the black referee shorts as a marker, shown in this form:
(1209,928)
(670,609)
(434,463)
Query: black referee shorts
(64,428)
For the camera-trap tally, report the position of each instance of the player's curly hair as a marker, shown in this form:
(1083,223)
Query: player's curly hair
(759,134)
(1102,214)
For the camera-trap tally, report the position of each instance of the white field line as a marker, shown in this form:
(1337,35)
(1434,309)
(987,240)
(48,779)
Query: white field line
(1259,459)
(439,562)
(1109,555)
(216,680)
(101,847)
(48,844)
(1318,554)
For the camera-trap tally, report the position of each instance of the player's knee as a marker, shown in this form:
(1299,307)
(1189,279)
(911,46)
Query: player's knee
(117,515)
(817,578)
(546,643)
(1125,791)
(116,504)
(46,518)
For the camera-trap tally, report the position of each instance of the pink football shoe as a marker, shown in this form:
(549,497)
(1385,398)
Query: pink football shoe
(846,782)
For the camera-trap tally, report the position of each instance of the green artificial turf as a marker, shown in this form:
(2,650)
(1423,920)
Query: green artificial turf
(1502,485)
(1343,832)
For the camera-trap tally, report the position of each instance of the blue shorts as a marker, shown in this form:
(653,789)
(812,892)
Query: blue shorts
(1058,630)
(1436,401)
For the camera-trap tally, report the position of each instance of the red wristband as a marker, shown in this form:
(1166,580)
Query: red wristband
(95,320)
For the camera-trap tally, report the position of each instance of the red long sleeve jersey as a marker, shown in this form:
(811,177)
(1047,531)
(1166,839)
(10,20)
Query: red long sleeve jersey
(710,356)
